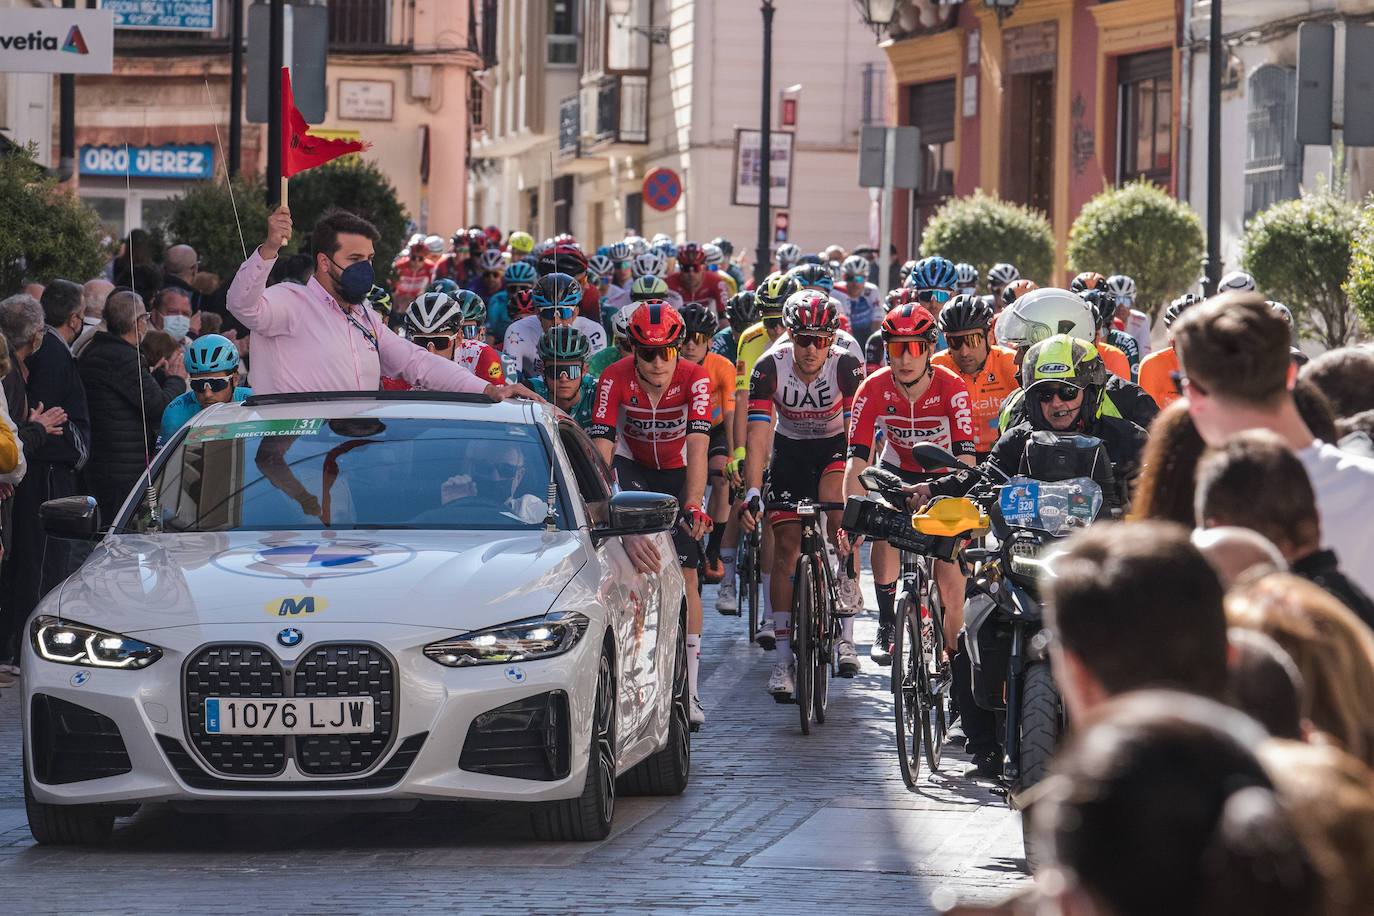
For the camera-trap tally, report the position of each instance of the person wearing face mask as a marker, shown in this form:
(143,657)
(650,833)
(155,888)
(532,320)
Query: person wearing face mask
(171,312)
(126,402)
(212,362)
(321,336)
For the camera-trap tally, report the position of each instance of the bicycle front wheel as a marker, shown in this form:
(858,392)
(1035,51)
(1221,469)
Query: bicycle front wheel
(933,682)
(906,665)
(752,579)
(820,629)
(803,643)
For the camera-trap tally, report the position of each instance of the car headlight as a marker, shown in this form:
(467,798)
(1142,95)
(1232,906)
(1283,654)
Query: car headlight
(518,641)
(70,643)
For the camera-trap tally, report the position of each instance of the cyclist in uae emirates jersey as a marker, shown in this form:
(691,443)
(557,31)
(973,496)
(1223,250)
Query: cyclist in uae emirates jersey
(811,382)
(911,401)
(652,425)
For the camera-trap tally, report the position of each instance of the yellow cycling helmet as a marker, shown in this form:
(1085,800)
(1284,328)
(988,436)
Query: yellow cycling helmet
(521,243)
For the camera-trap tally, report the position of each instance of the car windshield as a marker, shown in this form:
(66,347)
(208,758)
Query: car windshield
(317,473)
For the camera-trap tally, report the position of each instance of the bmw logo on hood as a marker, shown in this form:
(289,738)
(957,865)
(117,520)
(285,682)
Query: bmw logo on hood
(290,637)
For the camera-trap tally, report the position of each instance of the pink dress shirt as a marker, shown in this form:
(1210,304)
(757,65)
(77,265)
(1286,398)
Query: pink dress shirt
(304,341)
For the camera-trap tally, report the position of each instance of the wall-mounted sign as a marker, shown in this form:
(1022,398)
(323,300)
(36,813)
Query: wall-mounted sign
(367,100)
(196,161)
(181,15)
(1031,48)
(748,162)
(56,41)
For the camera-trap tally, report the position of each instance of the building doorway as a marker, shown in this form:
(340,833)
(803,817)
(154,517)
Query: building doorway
(1030,140)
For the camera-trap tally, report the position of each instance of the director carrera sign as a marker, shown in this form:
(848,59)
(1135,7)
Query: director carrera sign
(56,41)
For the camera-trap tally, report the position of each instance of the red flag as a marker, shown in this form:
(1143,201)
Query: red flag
(299,150)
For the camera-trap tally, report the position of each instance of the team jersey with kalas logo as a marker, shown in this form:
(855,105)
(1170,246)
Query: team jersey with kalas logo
(805,411)
(940,417)
(652,433)
(987,389)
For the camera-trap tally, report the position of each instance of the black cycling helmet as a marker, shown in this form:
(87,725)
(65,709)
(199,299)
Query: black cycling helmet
(1175,308)
(698,319)
(965,313)
(1104,307)
(742,311)
(563,344)
(557,289)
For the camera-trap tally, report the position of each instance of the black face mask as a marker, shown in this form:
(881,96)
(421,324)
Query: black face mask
(353,282)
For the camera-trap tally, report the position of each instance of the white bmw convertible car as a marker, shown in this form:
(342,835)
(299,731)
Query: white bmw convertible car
(366,601)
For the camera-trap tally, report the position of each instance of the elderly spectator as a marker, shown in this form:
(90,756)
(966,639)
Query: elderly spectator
(126,401)
(322,336)
(172,313)
(180,265)
(93,296)
(21,324)
(1237,374)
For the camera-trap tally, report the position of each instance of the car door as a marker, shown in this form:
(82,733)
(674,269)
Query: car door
(633,600)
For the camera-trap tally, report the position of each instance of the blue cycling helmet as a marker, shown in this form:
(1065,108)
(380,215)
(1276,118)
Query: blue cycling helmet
(519,272)
(933,273)
(211,353)
(557,290)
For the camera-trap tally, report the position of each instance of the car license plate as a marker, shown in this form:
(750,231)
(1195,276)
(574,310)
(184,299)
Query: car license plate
(298,716)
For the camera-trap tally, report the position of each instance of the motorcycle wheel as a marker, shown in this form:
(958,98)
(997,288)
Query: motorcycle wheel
(1040,729)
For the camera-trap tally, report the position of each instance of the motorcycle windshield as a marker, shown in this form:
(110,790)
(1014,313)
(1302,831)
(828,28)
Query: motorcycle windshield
(1054,508)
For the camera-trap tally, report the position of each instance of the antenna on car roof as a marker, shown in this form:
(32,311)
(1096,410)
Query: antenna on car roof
(551,519)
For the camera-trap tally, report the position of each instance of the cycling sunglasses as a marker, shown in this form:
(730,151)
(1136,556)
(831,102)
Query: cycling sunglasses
(700,338)
(819,341)
(968,340)
(1065,392)
(649,354)
(494,274)
(202,385)
(896,348)
(570,371)
(470,331)
(934,295)
(857,278)
(553,312)
(689,268)
(438,341)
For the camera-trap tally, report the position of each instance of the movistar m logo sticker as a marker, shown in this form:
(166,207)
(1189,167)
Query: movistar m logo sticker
(37,41)
(295,606)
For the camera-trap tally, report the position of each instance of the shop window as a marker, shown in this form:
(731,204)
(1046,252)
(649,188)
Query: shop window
(634,212)
(1146,100)
(930,107)
(560,37)
(1273,160)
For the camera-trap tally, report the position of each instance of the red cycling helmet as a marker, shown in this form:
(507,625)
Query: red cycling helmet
(810,312)
(907,322)
(493,234)
(691,255)
(564,258)
(479,241)
(521,302)
(655,323)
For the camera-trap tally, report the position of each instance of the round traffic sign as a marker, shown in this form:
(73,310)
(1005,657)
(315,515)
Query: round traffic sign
(662,189)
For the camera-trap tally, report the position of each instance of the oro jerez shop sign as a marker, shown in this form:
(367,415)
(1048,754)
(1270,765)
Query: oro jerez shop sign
(195,161)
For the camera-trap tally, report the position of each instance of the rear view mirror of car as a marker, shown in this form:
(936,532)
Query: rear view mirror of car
(638,512)
(73,517)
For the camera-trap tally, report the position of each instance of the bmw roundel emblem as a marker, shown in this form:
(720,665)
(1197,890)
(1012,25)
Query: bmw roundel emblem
(290,637)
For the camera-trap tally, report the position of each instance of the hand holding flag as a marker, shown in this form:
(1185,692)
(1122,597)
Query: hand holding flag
(300,150)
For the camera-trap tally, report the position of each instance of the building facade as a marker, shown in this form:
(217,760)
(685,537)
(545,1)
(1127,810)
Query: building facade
(397,76)
(634,86)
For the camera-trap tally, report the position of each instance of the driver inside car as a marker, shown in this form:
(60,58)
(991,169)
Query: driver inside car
(491,481)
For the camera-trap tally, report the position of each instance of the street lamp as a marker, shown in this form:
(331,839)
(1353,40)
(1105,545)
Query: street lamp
(620,11)
(1002,8)
(877,14)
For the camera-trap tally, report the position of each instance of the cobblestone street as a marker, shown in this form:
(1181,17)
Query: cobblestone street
(772,822)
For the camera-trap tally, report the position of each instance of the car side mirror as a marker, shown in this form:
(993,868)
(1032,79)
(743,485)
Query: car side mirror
(637,512)
(76,518)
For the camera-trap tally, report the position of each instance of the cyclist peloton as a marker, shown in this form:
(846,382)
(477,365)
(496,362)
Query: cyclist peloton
(566,381)
(810,380)
(557,300)
(741,312)
(911,401)
(652,426)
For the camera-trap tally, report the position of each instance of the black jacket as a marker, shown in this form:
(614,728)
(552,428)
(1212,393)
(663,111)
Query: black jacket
(1320,568)
(55,382)
(31,435)
(1124,399)
(126,406)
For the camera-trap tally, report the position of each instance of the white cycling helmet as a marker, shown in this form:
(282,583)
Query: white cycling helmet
(855,265)
(1237,281)
(620,322)
(1121,286)
(492,260)
(600,266)
(713,254)
(1042,313)
(1004,274)
(434,313)
(649,264)
(638,245)
(788,254)
(434,244)
(966,276)
(1281,310)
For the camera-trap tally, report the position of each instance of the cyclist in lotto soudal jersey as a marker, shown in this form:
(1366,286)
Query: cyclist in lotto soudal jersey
(911,402)
(810,382)
(652,424)
(987,370)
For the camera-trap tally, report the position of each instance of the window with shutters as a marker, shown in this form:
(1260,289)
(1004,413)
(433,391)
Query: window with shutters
(930,107)
(1273,159)
(1146,114)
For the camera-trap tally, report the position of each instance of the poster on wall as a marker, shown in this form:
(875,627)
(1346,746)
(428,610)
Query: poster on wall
(748,161)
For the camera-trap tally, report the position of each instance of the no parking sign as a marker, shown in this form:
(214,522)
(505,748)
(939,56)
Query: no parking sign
(662,189)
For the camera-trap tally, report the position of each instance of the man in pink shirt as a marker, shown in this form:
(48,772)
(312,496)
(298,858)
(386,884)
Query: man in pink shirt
(321,337)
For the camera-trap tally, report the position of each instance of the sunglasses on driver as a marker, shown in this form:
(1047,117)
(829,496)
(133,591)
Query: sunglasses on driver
(976,339)
(570,371)
(552,312)
(202,385)
(916,347)
(933,295)
(1065,392)
(503,470)
(437,341)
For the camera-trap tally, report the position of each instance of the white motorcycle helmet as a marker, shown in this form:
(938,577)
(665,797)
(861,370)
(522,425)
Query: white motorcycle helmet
(1042,313)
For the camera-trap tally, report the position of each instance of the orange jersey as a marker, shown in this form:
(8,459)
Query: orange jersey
(1115,360)
(722,373)
(1154,376)
(987,389)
